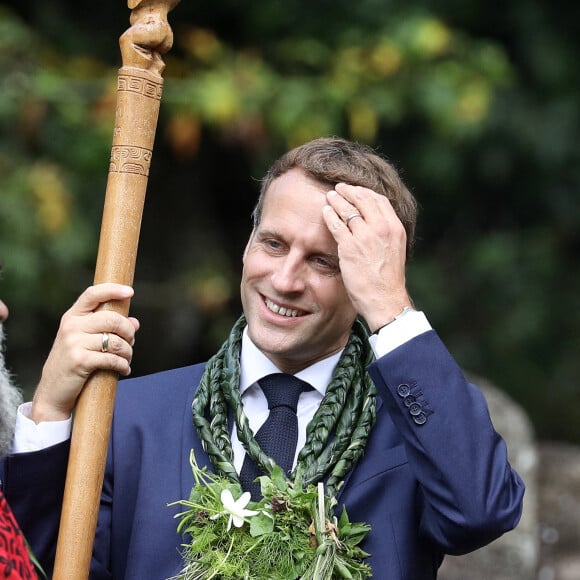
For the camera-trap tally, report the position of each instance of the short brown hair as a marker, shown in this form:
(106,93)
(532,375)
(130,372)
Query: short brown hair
(332,160)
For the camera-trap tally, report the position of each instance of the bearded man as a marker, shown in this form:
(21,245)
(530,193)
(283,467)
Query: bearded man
(14,560)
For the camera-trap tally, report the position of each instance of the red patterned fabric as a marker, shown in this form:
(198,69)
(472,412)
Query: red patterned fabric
(14,561)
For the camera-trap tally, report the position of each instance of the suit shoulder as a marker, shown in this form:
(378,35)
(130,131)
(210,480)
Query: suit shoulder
(172,379)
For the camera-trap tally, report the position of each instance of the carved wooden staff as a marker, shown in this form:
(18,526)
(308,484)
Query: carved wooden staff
(138,97)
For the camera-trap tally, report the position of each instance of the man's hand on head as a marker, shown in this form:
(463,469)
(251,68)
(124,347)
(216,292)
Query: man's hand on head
(372,251)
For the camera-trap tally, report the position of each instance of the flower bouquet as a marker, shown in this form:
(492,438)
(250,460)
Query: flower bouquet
(289,534)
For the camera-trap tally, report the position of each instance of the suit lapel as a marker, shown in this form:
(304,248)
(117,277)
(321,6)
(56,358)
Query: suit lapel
(385,451)
(191,442)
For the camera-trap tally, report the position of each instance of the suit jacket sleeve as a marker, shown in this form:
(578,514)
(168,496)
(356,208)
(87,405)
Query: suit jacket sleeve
(34,488)
(470,495)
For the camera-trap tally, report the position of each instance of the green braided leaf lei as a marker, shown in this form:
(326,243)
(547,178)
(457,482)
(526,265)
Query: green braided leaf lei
(292,533)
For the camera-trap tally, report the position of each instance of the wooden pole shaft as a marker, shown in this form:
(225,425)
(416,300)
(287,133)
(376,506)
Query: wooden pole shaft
(139,92)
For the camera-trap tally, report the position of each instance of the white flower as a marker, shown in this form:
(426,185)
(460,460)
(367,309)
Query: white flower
(235,508)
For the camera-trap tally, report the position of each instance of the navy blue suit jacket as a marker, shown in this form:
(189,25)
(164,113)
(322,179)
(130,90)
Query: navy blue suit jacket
(434,479)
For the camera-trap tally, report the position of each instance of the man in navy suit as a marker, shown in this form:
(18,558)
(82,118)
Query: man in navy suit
(333,228)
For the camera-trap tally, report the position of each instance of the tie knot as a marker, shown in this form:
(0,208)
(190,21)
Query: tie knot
(283,390)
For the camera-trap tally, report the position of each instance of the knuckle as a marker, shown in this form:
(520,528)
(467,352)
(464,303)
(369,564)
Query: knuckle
(67,323)
(114,322)
(118,363)
(111,321)
(78,359)
(120,348)
(114,344)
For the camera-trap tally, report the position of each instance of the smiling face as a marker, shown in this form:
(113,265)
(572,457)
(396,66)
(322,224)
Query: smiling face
(296,305)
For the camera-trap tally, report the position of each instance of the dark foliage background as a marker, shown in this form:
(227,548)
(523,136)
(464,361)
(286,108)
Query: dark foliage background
(477,103)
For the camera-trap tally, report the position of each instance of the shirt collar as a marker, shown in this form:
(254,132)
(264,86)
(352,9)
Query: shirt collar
(254,365)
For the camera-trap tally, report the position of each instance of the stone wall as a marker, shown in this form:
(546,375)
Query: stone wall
(559,509)
(546,544)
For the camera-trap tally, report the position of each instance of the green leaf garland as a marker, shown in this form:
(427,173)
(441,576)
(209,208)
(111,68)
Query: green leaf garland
(291,535)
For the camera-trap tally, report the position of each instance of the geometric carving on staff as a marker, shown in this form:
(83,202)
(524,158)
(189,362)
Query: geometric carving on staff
(130,159)
(141,85)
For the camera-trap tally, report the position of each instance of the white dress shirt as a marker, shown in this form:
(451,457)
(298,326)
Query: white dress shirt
(254,365)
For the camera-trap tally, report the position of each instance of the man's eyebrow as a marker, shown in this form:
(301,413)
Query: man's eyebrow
(269,233)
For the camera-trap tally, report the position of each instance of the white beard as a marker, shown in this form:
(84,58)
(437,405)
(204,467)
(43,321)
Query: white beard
(10,398)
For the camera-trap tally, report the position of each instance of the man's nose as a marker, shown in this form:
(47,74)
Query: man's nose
(3,311)
(288,276)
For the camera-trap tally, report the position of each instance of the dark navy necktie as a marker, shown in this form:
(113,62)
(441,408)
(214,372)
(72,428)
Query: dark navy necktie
(279,434)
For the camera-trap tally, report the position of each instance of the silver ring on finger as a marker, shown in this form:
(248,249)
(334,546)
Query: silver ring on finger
(351,217)
(105,342)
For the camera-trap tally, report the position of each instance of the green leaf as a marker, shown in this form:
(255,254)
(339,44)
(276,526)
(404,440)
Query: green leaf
(261,524)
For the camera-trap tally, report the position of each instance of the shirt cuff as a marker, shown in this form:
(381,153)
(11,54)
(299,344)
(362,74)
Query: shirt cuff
(399,332)
(29,436)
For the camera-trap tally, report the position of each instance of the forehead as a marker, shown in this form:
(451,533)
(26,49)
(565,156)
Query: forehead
(295,192)
(292,211)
